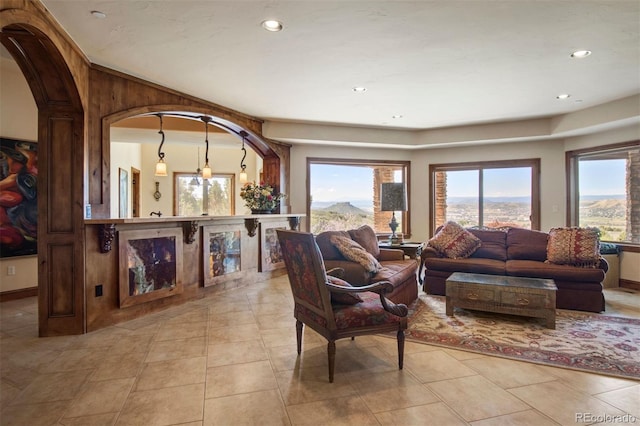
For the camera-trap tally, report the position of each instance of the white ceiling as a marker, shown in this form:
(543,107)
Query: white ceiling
(437,63)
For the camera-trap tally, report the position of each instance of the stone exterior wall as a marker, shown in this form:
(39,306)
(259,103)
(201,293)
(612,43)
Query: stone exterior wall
(633,196)
(441,198)
(381,219)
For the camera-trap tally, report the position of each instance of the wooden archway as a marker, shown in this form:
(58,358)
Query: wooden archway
(61,131)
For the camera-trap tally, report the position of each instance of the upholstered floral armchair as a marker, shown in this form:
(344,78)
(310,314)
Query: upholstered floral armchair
(330,306)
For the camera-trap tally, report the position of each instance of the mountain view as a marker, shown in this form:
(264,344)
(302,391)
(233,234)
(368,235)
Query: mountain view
(606,212)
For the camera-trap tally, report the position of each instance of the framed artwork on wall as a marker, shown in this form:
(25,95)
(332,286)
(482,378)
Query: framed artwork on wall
(270,252)
(123,193)
(150,265)
(18,197)
(222,253)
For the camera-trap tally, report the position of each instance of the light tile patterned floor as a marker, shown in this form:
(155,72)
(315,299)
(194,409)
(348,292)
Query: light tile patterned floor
(231,359)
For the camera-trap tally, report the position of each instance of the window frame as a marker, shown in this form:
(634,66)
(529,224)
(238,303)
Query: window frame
(533,163)
(572,181)
(232,198)
(406,173)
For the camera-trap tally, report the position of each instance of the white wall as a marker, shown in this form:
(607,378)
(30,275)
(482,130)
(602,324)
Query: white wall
(18,120)
(123,156)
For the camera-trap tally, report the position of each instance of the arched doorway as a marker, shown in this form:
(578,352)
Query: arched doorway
(61,129)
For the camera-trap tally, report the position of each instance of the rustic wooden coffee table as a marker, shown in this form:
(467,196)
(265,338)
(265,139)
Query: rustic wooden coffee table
(529,297)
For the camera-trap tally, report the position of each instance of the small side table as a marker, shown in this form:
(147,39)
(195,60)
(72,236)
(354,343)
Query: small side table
(413,250)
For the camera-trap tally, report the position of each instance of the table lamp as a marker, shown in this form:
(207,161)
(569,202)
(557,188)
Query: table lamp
(393,197)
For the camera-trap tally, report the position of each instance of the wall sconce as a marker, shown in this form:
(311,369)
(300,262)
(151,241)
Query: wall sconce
(161,166)
(393,197)
(206,171)
(243,167)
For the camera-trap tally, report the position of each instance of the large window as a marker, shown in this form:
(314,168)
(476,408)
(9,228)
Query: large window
(604,188)
(493,194)
(345,194)
(195,196)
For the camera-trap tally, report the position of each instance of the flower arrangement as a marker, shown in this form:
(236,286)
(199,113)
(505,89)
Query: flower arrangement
(260,197)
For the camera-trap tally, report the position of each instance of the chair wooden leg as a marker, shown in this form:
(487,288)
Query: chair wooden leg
(400,348)
(331,352)
(299,326)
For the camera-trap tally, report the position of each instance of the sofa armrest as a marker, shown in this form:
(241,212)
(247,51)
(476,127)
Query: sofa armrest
(428,252)
(390,254)
(604,265)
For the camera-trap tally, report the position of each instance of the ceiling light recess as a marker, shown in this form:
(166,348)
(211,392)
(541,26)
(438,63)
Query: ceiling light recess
(98,14)
(359,89)
(581,54)
(563,96)
(272,25)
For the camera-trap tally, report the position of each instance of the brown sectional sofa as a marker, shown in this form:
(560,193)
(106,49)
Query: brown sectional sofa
(400,272)
(522,253)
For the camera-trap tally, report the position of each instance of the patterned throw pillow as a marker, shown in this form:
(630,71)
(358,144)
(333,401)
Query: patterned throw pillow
(356,253)
(343,298)
(455,242)
(574,246)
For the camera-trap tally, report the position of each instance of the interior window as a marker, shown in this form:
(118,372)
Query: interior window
(489,194)
(602,193)
(345,194)
(195,196)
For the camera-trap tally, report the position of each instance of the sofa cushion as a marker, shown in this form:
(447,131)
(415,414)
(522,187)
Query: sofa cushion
(455,242)
(395,271)
(574,246)
(366,237)
(352,273)
(328,250)
(343,298)
(534,269)
(356,253)
(525,244)
(494,244)
(472,265)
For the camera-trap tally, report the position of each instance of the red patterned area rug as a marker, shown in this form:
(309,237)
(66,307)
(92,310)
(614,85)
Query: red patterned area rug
(589,342)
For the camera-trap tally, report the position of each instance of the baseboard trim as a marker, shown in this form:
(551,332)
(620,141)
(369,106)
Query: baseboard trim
(5,296)
(635,285)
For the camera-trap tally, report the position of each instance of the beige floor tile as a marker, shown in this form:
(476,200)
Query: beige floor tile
(433,366)
(626,399)
(312,384)
(194,314)
(131,343)
(256,408)
(44,414)
(222,307)
(589,382)
(430,414)
(107,419)
(342,411)
(53,387)
(237,333)
(561,402)
(176,349)
(119,366)
(287,337)
(179,372)
(74,359)
(476,398)
(523,418)
(8,392)
(230,319)
(277,320)
(240,378)
(286,357)
(101,397)
(390,345)
(391,390)
(508,373)
(177,331)
(462,355)
(235,353)
(168,406)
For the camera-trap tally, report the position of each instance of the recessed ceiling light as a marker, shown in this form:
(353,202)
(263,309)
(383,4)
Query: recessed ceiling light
(359,89)
(272,25)
(396,116)
(98,14)
(581,54)
(563,96)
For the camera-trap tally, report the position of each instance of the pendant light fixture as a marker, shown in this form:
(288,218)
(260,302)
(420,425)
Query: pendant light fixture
(243,167)
(206,171)
(161,166)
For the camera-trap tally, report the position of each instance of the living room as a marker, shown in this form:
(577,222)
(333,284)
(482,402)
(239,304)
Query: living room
(546,138)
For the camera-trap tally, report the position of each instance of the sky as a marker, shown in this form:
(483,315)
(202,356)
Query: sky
(340,183)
